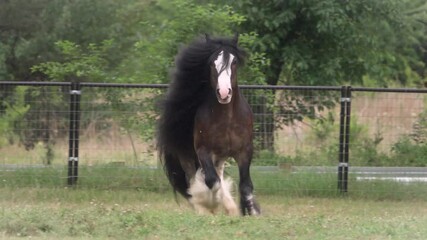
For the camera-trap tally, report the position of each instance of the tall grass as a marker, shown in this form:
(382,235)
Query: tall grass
(95,177)
(266,182)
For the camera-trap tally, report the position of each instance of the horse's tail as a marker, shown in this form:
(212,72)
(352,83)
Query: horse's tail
(175,133)
(175,174)
(187,91)
(175,136)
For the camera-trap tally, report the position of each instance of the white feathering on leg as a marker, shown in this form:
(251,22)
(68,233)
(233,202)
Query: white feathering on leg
(227,199)
(203,199)
(208,201)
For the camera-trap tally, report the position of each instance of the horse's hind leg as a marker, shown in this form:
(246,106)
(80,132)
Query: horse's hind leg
(227,199)
(248,204)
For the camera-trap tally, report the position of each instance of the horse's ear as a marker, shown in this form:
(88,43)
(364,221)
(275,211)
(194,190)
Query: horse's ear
(236,38)
(207,37)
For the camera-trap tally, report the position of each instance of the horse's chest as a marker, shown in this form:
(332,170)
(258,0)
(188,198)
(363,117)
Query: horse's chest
(223,133)
(228,139)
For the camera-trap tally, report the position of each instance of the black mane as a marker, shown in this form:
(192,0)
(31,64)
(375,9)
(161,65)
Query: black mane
(189,87)
(198,55)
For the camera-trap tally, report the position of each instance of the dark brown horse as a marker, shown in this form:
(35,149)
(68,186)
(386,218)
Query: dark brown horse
(205,120)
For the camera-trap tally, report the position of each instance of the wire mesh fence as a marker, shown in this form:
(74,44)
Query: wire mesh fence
(300,138)
(383,123)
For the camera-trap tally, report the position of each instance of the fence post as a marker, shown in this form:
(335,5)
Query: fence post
(73,150)
(347,138)
(344,137)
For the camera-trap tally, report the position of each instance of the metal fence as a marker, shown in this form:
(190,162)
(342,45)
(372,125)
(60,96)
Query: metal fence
(340,131)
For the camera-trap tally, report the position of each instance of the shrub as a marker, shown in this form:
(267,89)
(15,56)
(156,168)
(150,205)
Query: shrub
(409,153)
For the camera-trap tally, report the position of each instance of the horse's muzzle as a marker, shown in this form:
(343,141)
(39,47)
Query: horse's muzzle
(224,95)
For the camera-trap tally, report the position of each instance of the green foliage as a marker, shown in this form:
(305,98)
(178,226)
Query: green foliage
(257,61)
(419,128)
(21,36)
(329,42)
(3,70)
(141,104)
(182,21)
(411,149)
(365,152)
(407,153)
(30,30)
(323,128)
(365,149)
(150,59)
(298,42)
(14,111)
(89,63)
(147,54)
(333,42)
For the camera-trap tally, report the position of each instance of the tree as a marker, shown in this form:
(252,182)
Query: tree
(416,15)
(330,42)
(28,33)
(29,30)
(19,21)
(168,25)
(146,55)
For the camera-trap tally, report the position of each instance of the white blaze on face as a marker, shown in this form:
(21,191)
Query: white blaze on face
(224,77)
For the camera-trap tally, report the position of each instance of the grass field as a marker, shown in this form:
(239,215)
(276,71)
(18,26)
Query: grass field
(41,213)
(126,203)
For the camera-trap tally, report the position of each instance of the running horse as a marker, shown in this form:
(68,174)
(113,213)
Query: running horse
(205,120)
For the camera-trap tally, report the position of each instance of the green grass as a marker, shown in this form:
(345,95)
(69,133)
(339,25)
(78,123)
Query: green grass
(118,202)
(53,213)
(113,202)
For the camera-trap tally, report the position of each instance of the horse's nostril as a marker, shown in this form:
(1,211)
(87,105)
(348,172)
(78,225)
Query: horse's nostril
(229,91)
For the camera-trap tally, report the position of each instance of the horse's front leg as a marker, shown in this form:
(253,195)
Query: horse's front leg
(248,204)
(205,186)
(212,179)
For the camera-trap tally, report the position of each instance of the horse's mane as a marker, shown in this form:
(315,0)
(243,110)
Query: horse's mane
(189,87)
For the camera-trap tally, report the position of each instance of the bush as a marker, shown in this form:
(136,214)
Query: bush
(409,153)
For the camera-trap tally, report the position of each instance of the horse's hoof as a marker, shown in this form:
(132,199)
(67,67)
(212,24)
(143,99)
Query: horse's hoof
(255,210)
(250,207)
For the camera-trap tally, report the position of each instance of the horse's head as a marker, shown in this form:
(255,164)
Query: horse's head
(223,75)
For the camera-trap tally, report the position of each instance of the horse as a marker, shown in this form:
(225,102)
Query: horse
(205,120)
